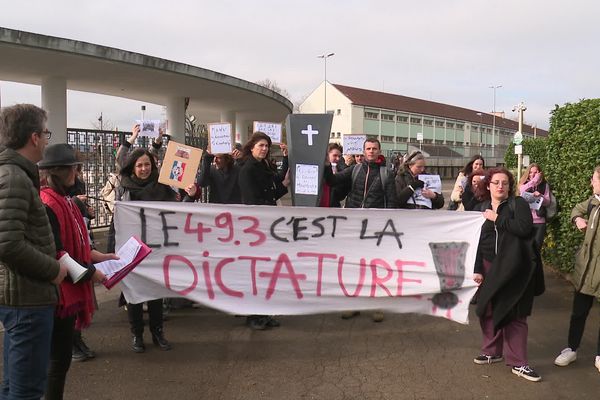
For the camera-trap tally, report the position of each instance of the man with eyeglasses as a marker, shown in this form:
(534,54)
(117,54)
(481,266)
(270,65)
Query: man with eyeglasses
(29,271)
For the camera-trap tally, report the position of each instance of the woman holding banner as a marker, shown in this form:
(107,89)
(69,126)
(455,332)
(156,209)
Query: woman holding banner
(261,184)
(507,268)
(139,182)
(76,306)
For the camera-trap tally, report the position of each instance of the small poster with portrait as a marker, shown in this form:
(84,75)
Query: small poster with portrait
(149,127)
(220,138)
(180,165)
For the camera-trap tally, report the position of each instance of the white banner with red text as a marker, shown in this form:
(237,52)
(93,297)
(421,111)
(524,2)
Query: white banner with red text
(296,260)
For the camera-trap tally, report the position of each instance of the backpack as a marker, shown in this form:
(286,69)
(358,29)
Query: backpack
(108,192)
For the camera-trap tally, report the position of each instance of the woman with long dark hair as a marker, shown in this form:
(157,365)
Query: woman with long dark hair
(261,184)
(139,182)
(58,170)
(462,193)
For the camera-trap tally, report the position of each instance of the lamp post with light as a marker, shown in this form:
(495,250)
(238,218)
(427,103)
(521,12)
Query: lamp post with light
(325,57)
(494,87)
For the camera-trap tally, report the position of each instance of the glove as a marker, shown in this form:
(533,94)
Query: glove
(417,184)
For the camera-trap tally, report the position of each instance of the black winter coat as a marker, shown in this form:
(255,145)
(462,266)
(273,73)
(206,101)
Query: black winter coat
(260,184)
(223,185)
(365,192)
(403,180)
(514,277)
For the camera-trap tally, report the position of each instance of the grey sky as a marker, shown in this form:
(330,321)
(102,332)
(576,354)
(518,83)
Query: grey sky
(543,52)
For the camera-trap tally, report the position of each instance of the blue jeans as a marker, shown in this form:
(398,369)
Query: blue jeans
(27,336)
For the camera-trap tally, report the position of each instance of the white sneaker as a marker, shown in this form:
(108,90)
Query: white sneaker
(597,363)
(566,357)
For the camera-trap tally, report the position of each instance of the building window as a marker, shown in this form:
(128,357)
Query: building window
(428,122)
(414,120)
(460,126)
(402,118)
(387,138)
(371,115)
(439,124)
(387,117)
(450,125)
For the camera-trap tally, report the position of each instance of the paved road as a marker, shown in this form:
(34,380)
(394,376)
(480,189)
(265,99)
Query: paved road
(407,356)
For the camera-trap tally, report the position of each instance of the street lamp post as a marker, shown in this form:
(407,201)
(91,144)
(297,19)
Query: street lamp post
(481,137)
(325,57)
(494,87)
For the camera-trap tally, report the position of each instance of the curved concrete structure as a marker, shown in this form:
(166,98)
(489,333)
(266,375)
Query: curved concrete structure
(59,64)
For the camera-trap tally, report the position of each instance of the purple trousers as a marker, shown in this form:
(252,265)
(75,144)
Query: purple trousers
(509,341)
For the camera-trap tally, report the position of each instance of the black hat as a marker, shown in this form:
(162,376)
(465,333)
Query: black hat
(59,155)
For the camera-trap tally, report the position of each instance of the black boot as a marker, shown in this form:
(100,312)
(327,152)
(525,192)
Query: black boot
(158,338)
(138,344)
(79,344)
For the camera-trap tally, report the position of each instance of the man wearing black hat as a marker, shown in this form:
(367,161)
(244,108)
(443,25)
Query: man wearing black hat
(29,271)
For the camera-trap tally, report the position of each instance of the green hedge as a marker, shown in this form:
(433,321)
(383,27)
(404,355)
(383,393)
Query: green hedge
(568,157)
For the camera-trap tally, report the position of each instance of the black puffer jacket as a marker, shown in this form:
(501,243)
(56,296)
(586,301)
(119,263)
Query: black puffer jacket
(366,190)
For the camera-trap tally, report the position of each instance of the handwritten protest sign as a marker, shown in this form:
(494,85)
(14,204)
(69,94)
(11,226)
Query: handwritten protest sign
(180,165)
(306,179)
(353,144)
(433,183)
(271,129)
(149,127)
(300,260)
(220,138)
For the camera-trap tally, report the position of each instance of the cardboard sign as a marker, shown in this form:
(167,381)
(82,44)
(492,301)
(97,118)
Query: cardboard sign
(271,129)
(180,165)
(220,138)
(149,127)
(353,144)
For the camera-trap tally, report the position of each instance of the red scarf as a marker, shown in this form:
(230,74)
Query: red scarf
(75,299)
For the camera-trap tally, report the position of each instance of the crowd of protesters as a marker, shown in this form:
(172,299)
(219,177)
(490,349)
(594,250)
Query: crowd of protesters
(45,219)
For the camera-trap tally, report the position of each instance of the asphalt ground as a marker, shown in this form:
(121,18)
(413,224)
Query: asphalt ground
(407,356)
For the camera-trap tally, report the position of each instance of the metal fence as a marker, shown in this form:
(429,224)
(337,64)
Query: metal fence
(98,150)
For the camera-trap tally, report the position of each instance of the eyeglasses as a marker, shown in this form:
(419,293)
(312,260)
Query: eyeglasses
(499,183)
(47,134)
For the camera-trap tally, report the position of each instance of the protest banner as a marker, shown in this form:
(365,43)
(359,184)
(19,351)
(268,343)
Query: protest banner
(220,138)
(353,144)
(299,260)
(271,129)
(180,165)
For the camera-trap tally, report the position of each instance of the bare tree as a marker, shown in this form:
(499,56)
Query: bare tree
(269,84)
